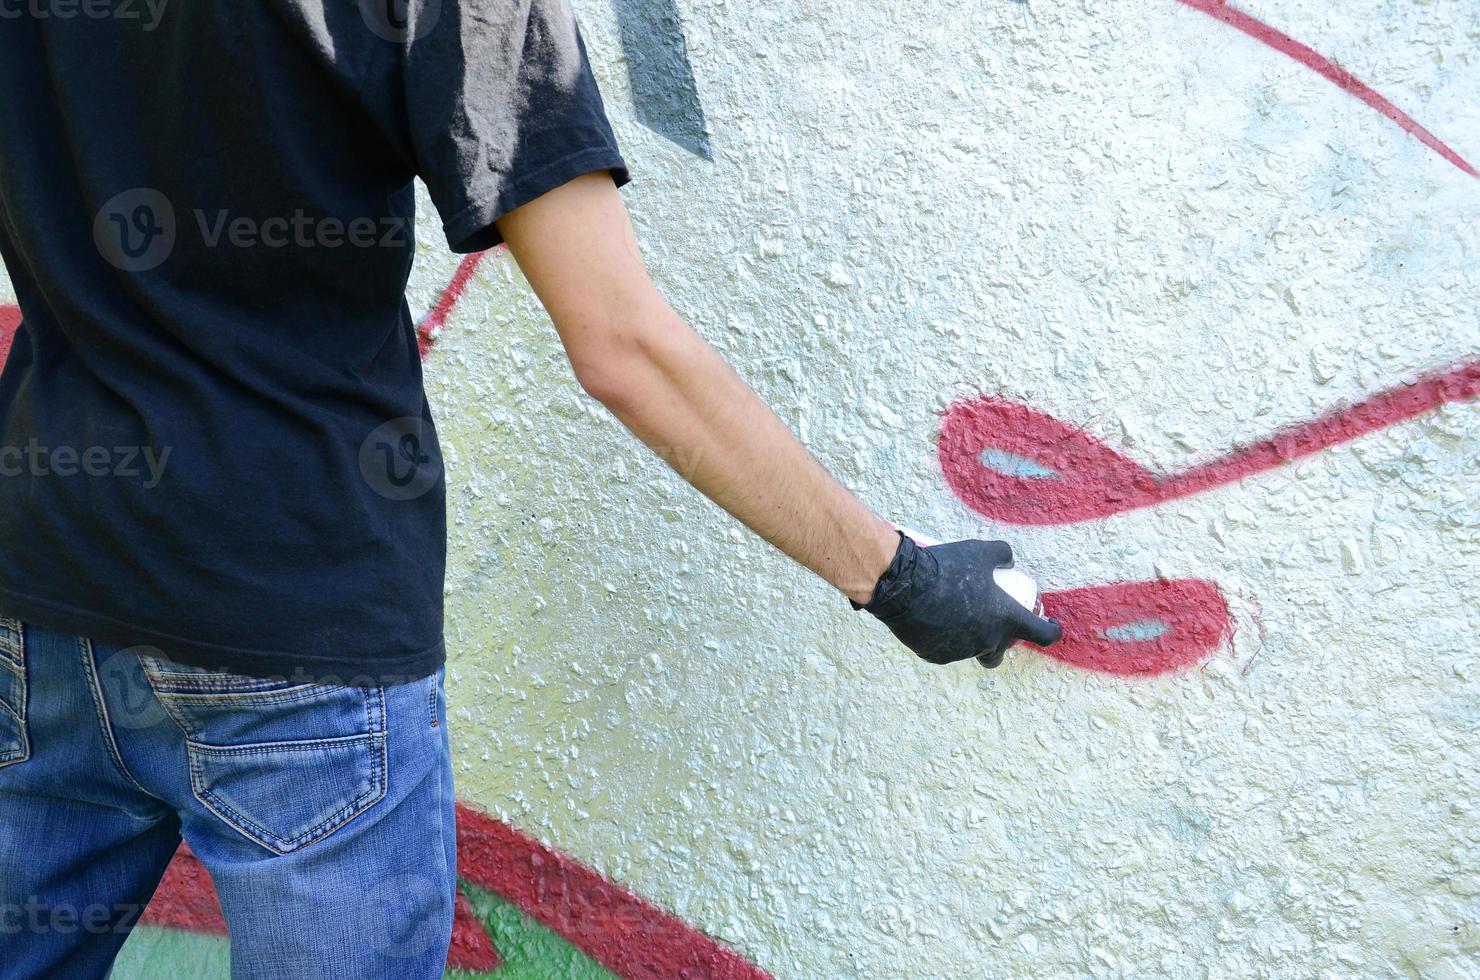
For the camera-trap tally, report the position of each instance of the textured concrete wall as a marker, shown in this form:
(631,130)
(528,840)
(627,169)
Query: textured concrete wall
(1132,217)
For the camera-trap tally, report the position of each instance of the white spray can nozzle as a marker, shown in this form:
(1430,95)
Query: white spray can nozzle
(1022,588)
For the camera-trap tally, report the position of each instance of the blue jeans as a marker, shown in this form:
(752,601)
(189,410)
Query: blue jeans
(324,813)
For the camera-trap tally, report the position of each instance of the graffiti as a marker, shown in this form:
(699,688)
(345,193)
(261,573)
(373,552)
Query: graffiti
(604,921)
(1327,69)
(1130,629)
(1138,629)
(613,926)
(664,92)
(429,329)
(788,894)
(186,899)
(10,319)
(667,101)
(1013,463)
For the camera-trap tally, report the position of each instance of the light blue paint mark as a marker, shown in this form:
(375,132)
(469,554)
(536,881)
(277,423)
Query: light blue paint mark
(1140,631)
(663,87)
(1011,464)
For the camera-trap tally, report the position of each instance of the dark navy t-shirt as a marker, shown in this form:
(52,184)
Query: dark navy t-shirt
(214,439)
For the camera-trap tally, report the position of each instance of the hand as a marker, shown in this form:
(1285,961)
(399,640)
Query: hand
(943,603)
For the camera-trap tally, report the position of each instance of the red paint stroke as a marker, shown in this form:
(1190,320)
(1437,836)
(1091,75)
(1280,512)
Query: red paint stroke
(430,327)
(1328,70)
(1039,470)
(186,897)
(627,935)
(1138,629)
(427,331)
(472,946)
(10,319)
(1133,629)
(624,933)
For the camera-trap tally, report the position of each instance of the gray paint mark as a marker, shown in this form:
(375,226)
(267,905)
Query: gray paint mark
(1141,631)
(1011,464)
(661,76)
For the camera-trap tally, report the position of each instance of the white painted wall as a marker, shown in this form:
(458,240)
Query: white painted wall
(1131,217)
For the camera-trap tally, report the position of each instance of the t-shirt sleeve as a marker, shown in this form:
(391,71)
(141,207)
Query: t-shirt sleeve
(502,107)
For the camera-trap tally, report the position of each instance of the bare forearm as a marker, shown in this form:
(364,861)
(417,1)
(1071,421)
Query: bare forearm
(679,397)
(633,353)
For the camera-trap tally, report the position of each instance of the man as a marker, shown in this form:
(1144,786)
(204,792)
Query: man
(222,543)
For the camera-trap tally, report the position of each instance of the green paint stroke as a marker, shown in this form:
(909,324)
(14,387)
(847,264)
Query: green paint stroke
(152,952)
(527,950)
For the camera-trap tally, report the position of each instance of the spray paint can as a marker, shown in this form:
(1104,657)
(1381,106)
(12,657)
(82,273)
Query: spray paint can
(1021,586)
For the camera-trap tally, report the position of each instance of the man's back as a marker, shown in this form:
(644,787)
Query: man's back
(215,432)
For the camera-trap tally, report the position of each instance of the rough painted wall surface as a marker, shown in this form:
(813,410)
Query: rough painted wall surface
(1133,218)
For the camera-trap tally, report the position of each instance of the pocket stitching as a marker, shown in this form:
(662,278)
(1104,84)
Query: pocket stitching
(194,750)
(17,664)
(147,663)
(12,641)
(267,748)
(334,821)
(285,696)
(166,681)
(180,683)
(20,754)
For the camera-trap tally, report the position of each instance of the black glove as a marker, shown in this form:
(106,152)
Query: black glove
(942,603)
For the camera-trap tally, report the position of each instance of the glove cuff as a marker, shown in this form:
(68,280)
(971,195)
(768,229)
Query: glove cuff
(893,588)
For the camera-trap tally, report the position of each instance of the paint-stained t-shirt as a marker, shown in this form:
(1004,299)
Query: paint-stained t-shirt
(214,439)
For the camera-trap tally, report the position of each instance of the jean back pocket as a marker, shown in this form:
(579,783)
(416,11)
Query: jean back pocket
(285,764)
(15,743)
